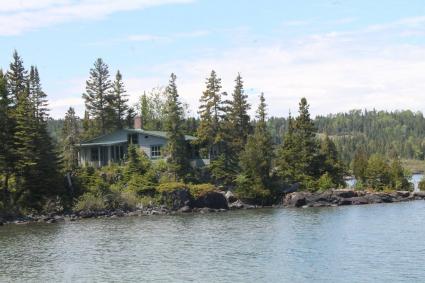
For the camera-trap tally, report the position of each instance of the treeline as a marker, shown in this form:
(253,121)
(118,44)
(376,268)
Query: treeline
(257,157)
(380,132)
(29,166)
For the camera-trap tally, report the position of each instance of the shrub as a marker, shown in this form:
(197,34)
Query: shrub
(91,202)
(325,182)
(170,186)
(201,189)
(421,184)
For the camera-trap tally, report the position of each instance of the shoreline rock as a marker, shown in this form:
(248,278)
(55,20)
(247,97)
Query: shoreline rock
(347,197)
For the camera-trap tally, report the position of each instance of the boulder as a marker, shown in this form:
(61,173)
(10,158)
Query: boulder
(86,214)
(403,194)
(212,199)
(236,205)
(357,200)
(185,209)
(345,193)
(230,197)
(178,198)
(419,195)
(296,199)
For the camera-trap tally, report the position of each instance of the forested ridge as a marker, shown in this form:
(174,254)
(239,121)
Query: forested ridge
(257,158)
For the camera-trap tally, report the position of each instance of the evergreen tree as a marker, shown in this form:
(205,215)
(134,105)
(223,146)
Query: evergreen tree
(378,172)
(176,145)
(256,159)
(359,165)
(399,179)
(299,156)
(330,163)
(211,109)
(119,99)
(7,158)
(146,112)
(37,95)
(238,117)
(70,140)
(98,99)
(16,77)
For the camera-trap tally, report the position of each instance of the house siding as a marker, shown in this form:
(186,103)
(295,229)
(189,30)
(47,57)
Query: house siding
(146,143)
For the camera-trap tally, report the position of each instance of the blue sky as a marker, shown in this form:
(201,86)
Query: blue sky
(339,54)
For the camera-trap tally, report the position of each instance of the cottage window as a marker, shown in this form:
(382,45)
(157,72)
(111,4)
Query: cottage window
(155,151)
(94,154)
(133,139)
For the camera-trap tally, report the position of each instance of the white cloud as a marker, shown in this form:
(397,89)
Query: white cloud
(18,16)
(167,38)
(337,72)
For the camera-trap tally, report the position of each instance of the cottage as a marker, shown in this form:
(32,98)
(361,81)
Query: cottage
(112,148)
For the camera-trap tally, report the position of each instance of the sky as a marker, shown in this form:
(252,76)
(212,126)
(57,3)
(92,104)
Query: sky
(339,54)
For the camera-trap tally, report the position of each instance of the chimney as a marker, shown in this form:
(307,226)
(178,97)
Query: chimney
(138,122)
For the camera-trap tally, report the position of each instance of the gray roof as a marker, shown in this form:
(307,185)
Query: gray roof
(120,136)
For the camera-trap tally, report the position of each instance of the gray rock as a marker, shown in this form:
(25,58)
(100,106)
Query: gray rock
(177,198)
(214,200)
(237,205)
(296,199)
(230,197)
(185,209)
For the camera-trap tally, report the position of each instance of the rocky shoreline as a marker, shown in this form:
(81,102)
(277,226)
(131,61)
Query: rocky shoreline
(180,202)
(347,197)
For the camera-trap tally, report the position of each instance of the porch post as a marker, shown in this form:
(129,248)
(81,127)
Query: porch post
(109,155)
(100,157)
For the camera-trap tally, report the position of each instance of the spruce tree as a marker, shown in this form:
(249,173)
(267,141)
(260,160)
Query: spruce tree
(37,95)
(238,117)
(359,165)
(176,145)
(330,163)
(98,98)
(16,77)
(256,159)
(211,110)
(119,100)
(299,158)
(70,140)
(7,123)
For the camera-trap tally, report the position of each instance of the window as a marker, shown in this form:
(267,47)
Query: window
(133,139)
(94,153)
(155,151)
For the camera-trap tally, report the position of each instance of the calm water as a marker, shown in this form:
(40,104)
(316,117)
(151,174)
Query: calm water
(374,243)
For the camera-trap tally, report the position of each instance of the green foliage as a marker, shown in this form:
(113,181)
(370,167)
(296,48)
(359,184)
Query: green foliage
(421,184)
(119,101)
(359,164)
(177,150)
(377,172)
(90,202)
(70,140)
(325,182)
(98,98)
(170,186)
(197,190)
(256,159)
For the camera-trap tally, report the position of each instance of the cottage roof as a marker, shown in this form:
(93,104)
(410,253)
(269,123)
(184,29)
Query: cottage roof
(120,136)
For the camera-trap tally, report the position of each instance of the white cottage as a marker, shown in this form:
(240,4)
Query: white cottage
(112,148)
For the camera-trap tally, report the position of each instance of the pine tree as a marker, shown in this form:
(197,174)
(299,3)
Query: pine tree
(299,157)
(70,140)
(256,159)
(98,99)
(359,165)
(210,111)
(146,112)
(238,117)
(7,123)
(16,77)
(119,99)
(330,163)
(176,145)
(37,95)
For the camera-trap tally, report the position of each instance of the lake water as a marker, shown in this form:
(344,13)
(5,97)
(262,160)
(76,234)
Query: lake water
(372,243)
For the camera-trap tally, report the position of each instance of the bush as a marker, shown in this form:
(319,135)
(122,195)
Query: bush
(325,182)
(201,189)
(91,202)
(170,186)
(421,184)
(359,185)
